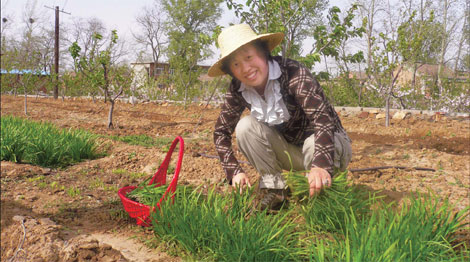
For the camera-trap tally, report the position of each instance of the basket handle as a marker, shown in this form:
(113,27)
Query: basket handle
(160,176)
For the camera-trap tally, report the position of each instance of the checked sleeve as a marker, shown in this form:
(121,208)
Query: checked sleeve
(309,95)
(231,111)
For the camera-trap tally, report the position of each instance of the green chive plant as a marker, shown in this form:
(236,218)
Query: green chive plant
(422,230)
(339,224)
(326,211)
(150,195)
(221,227)
(44,144)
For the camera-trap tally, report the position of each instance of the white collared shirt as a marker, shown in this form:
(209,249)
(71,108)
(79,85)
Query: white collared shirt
(271,110)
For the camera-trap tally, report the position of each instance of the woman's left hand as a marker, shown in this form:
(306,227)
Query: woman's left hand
(317,179)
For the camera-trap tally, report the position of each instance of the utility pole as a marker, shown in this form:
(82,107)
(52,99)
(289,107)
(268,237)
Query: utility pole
(56,50)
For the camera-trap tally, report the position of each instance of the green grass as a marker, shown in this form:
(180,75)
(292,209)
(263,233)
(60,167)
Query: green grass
(143,140)
(43,144)
(73,191)
(133,175)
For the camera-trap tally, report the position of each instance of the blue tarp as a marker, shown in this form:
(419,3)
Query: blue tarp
(24,71)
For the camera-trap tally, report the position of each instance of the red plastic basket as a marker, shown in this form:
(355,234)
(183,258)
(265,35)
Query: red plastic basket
(140,211)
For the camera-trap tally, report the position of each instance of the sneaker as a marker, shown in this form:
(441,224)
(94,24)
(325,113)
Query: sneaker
(272,199)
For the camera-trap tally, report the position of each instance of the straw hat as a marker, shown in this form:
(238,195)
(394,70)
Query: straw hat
(236,36)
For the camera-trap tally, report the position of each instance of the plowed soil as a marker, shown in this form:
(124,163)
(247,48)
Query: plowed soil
(74,213)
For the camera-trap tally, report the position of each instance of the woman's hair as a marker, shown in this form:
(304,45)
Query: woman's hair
(261,47)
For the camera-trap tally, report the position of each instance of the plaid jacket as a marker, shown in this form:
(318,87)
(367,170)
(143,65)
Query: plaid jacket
(308,107)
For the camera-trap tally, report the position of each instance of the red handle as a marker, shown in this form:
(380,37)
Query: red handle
(159,178)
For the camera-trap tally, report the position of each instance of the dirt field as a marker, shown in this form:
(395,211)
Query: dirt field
(74,214)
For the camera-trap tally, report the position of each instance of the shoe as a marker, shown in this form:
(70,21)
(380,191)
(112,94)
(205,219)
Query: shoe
(272,199)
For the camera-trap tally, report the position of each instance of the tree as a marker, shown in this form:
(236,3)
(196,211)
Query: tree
(328,39)
(448,26)
(27,54)
(464,39)
(152,41)
(369,11)
(465,65)
(152,33)
(294,18)
(98,68)
(419,40)
(189,27)
(386,62)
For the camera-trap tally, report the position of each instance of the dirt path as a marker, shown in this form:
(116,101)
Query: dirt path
(82,207)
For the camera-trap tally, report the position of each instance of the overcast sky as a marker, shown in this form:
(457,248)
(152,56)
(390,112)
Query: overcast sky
(116,14)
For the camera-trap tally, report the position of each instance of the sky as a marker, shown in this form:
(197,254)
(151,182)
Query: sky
(116,14)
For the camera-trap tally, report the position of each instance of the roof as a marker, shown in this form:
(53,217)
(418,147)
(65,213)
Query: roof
(432,69)
(357,75)
(205,78)
(164,63)
(24,71)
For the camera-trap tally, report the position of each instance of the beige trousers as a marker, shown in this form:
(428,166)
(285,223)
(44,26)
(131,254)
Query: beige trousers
(265,148)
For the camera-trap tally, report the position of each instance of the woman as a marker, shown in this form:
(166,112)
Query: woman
(288,113)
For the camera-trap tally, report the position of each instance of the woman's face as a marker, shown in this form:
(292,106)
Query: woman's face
(249,66)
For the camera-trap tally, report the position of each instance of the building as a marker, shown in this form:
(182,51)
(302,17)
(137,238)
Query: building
(153,70)
(14,78)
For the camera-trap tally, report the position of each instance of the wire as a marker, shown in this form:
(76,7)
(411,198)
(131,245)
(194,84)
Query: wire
(63,7)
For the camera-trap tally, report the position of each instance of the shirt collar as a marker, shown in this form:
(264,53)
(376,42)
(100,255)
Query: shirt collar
(274,70)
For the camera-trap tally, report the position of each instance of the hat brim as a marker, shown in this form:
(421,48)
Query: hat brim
(273,40)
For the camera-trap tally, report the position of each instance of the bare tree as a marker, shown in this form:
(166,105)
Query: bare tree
(449,24)
(369,11)
(463,37)
(151,34)
(29,60)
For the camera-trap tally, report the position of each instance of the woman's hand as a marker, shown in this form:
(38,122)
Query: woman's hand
(241,180)
(317,179)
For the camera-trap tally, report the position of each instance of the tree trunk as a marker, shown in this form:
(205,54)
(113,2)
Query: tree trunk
(370,27)
(25,101)
(360,95)
(106,83)
(185,95)
(387,110)
(110,115)
(413,80)
(16,84)
(389,95)
(459,50)
(105,96)
(443,48)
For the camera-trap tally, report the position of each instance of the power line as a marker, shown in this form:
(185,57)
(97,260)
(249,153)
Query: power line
(58,8)
(65,4)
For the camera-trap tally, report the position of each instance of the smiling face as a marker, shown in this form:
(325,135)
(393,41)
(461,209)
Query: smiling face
(249,66)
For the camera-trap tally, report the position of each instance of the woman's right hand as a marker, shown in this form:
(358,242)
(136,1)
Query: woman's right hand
(241,180)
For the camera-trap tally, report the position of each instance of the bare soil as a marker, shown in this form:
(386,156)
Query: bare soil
(74,213)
